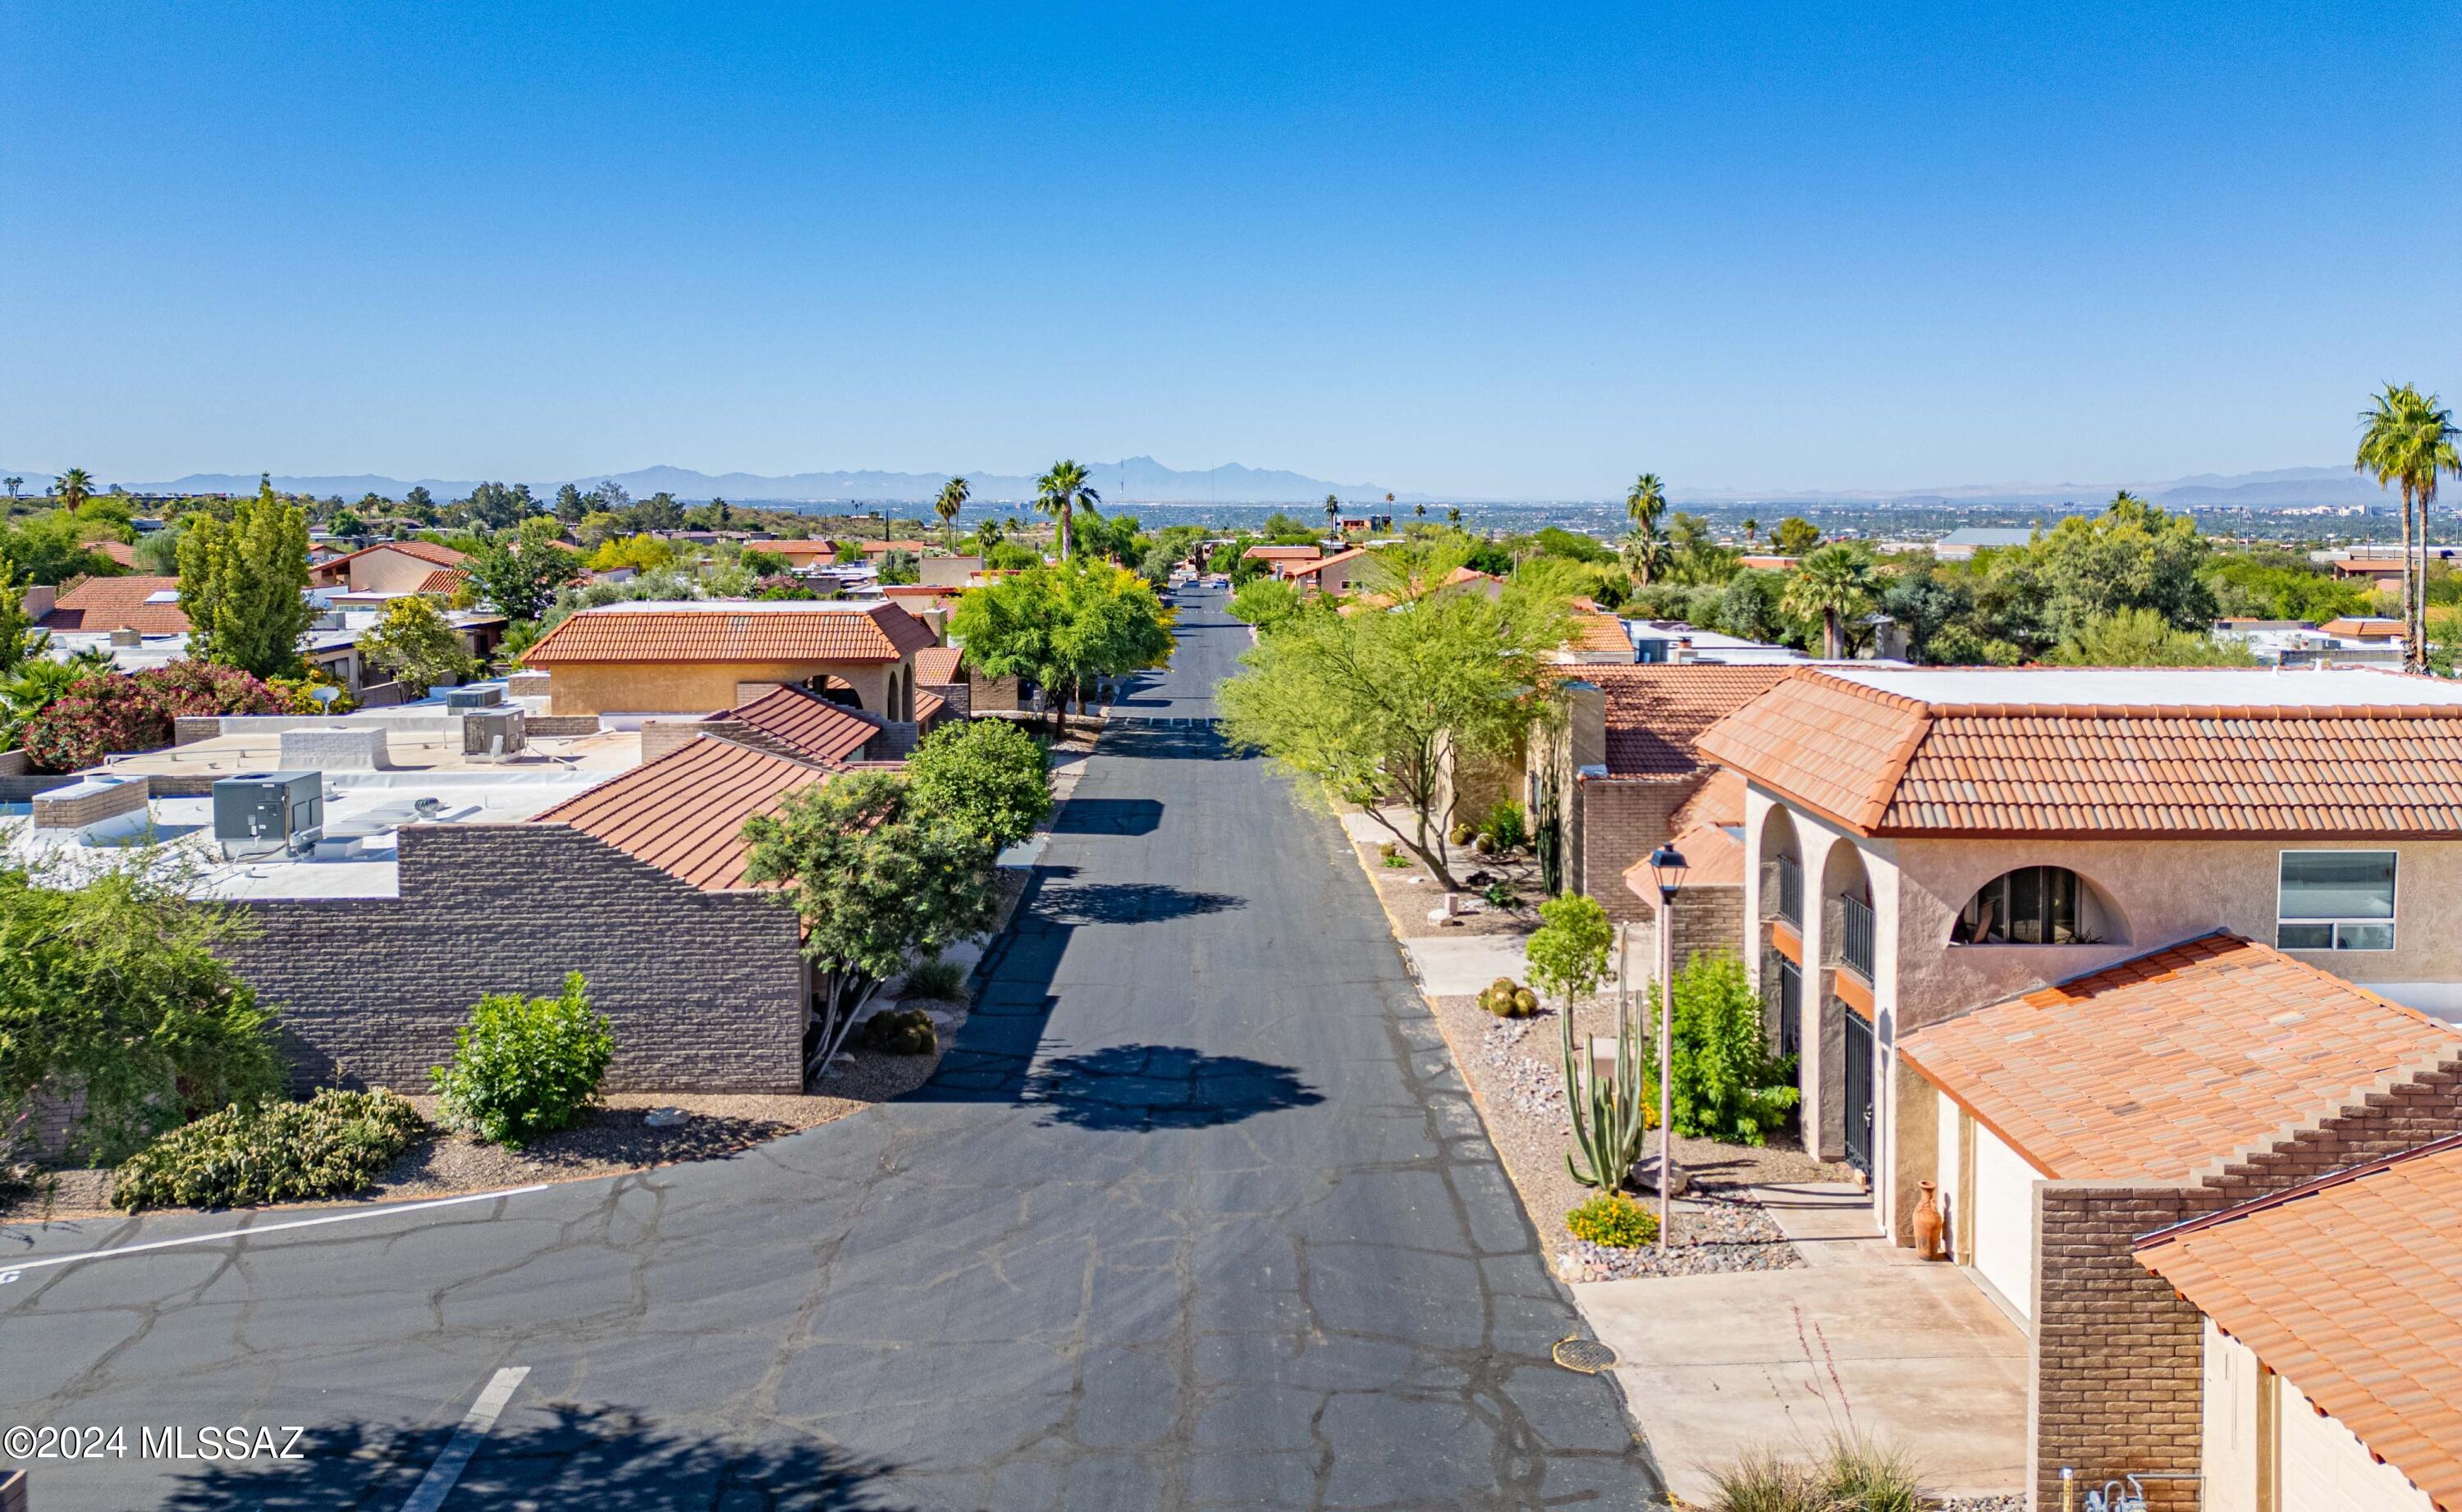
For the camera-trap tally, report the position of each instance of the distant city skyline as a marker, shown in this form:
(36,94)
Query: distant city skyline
(1482,255)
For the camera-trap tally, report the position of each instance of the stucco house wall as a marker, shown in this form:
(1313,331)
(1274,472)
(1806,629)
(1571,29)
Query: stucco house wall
(700,688)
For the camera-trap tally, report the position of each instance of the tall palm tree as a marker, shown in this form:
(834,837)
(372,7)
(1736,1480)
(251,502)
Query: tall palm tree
(1647,552)
(74,487)
(1830,584)
(1453,517)
(1333,511)
(1061,493)
(14,483)
(1645,502)
(1419,511)
(953,498)
(1752,530)
(2407,440)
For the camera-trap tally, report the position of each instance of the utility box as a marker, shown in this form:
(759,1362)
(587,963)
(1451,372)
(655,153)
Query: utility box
(261,814)
(492,732)
(478,697)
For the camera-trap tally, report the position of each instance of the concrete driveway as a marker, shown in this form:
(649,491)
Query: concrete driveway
(1196,1213)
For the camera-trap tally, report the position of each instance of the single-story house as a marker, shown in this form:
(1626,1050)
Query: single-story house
(691,656)
(2332,1338)
(2058,1127)
(391,567)
(138,602)
(1337,574)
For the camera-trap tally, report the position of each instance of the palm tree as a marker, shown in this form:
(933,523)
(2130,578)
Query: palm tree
(1333,511)
(1752,530)
(1061,493)
(2408,440)
(1648,552)
(74,487)
(1419,511)
(989,533)
(14,483)
(1645,502)
(1453,517)
(953,498)
(1829,585)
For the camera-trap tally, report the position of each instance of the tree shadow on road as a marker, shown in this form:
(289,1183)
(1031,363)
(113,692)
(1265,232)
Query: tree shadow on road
(1139,1087)
(1081,903)
(602,1458)
(1107,816)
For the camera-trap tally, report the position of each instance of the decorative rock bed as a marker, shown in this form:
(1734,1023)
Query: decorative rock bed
(1716,1231)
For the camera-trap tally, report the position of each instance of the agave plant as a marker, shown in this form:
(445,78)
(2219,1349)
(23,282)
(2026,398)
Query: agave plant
(1609,1123)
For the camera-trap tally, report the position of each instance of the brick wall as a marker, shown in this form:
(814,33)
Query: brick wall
(703,990)
(2117,1356)
(1621,821)
(957,695)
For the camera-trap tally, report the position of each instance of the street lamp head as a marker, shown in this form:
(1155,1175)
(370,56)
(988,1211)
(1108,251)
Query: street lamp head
(1667,868)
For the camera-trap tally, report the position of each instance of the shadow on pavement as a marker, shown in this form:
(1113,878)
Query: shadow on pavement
(606,1459)
(1139,1087)
(1107,816)
(1079,902)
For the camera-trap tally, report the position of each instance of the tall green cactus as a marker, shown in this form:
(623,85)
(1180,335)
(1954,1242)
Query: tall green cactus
(1609,1130)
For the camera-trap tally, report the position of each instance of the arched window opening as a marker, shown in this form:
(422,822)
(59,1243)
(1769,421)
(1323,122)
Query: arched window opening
(2031,905)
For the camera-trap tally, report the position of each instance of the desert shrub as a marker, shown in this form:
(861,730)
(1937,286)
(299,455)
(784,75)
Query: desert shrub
(942,981)
(1763,1480)
(524,1066)
(1504,827)
(1615,1221)
(1728,1085)
(897,1033)
(1504,999)
(1459,835)
(1499,896)
(1857,1474)
(332,1145)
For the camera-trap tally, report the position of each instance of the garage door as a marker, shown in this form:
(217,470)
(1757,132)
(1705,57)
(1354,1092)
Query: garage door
(2004,1220)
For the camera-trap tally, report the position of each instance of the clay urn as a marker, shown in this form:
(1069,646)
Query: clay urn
(1927,1223)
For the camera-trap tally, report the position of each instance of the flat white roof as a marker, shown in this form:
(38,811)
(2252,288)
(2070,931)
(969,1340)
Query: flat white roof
(2124,687)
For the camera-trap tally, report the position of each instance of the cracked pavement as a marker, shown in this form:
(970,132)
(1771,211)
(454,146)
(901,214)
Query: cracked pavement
(1196,1213)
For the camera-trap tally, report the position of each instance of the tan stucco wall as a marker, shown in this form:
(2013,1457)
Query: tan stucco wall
(388,572)
(698,688)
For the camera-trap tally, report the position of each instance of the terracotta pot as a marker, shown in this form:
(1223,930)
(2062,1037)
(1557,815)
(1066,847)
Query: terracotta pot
(1927,1223)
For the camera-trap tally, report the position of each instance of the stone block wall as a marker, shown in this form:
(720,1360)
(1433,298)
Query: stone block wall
(704,991)
(1619,822)
(957,695)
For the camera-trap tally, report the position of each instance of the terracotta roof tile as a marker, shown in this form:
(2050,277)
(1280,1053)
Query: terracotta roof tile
(1655,712)
(444,580)
(1886,763)
(685,812)
(733,630)
(120,551)
(424,550)
(2166,1066)
(118,604)
(809,725)
(1305,568)
(927,704)
(1283,553)
(1600,634)
(939,664)
(2352,1289)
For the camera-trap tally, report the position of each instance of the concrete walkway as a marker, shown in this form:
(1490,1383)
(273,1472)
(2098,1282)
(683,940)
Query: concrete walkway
(1865,1338)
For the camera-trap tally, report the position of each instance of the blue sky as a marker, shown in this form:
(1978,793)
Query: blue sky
(1495,252)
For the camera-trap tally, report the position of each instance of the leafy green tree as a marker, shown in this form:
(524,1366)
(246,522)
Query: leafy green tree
(1060,493)
(498,506)
(16,626)
(114,988)
(52,549)
(571,504)
(952,499)
(1064,628)
(657,512)
(986,774)
(2275,585)
(520,576)
(876,881)
(1728,1085)
(1796,536)
(2133,555)
(1568,954)
(243,583)
(2145,638)
(420,504)
(1831,585)
(1267,603)
(899,566)
(417,644)
(1376,708)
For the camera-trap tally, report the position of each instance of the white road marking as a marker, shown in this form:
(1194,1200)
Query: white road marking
(12,1272)
(438,1483)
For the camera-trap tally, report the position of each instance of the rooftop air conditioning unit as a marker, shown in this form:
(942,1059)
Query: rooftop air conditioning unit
(492,732)
(260,814)
(479,695)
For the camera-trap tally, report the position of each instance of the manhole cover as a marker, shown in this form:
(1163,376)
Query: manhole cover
(1587,1356)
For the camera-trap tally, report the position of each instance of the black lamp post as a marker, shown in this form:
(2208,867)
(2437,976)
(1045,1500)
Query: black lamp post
(1667,868)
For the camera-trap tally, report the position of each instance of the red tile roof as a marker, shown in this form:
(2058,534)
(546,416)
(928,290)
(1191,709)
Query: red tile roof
(2169,1065)
(806,723)
(1283,553)
(118,604)
(939,664)
(2350,1289)
(424,550)
(2264,757)
(927,703)
(1308,568)
(1655,712)
(733,630)
(685,812)
(120,551)
(1600,634)
(444,580)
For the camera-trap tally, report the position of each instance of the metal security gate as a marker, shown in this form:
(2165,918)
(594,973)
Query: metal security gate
(1858,1091)
(1790,1008)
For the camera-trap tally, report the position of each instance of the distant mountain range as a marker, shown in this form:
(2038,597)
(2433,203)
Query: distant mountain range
(1141,480)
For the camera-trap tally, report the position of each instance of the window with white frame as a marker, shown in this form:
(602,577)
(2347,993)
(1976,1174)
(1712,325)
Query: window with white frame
(2336,899)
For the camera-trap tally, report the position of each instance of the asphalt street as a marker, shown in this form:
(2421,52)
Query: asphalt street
(1196,1213)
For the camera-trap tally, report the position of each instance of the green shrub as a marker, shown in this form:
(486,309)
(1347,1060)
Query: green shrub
(1505,828)
(1501,896)
(524,1066)
(899,1032)
(1761,1481)
(941,981)
(1615,1221)
(1728,1085)
(332,1145)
